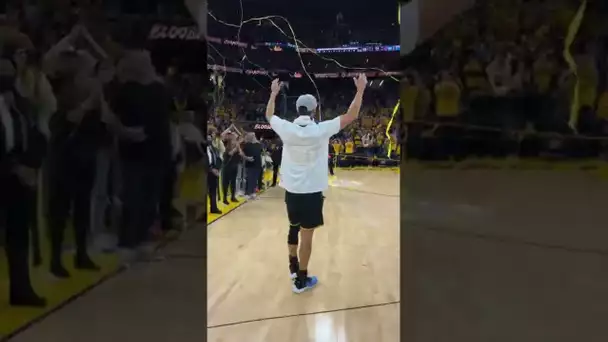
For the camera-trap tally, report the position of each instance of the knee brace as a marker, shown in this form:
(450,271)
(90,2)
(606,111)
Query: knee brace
(292,236)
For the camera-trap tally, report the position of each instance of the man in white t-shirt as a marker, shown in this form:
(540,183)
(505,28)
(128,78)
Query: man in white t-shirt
(304,171)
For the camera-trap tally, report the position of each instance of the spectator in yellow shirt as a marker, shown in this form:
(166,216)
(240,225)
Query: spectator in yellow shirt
(337,146)
(447,95)
(447,106)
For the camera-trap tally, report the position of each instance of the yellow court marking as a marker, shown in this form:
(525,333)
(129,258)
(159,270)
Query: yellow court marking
(224,208)
(230,207)
(56,291)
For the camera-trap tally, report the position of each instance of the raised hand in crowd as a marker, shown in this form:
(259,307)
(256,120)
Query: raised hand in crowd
(84,33)
(70,43)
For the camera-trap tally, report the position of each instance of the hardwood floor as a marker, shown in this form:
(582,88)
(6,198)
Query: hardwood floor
(355,255)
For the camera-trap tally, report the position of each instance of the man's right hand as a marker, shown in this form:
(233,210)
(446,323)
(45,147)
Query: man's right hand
(275,87)
(361,82)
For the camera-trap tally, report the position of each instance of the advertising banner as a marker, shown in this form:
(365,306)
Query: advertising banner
(251,72)
(180,46)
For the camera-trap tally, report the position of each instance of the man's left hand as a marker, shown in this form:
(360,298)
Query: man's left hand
(216,172)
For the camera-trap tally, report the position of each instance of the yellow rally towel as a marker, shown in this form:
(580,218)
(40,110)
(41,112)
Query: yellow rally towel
(388,129)
(572,31)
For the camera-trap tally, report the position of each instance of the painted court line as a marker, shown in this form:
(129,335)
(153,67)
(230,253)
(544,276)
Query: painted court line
(304,314)
(63,304)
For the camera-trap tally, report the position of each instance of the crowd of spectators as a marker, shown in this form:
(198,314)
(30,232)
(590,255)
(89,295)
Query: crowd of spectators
(92,123)
(239,102)
(242,152)
(242,106)
(495,83)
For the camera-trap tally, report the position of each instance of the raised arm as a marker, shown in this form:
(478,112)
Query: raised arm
(93,44)
(275,87)
(68,42)
(355,107)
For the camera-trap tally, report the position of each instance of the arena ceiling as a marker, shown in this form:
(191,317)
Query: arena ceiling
(356,13)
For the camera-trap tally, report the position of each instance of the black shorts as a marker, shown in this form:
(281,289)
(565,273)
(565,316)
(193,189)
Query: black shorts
(305,210)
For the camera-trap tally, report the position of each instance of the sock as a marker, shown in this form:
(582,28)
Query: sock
(293,264)
(302,278)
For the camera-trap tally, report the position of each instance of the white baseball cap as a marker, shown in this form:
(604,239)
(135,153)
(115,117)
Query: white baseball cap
(307,101)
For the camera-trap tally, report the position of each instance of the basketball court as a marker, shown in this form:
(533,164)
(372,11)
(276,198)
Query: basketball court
(355,255)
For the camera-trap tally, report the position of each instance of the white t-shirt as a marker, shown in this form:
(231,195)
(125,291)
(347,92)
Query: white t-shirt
(304,166)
